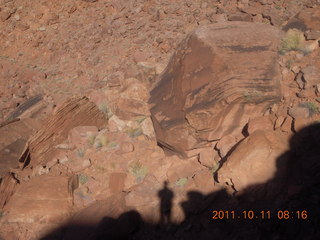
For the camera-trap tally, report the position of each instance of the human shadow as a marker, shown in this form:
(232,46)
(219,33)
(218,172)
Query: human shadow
(165,195)
(286,207)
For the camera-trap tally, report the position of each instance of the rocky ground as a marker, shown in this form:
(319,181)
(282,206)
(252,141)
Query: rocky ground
(133,119)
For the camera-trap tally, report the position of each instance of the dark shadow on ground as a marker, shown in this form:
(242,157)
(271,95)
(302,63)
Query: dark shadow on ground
(165,195)
(294,189)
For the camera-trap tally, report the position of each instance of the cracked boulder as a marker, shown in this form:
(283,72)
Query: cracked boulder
(219,76)
(248,166)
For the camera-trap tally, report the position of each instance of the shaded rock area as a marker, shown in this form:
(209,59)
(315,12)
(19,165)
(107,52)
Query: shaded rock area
(159,119)
(285,206)
(219,76)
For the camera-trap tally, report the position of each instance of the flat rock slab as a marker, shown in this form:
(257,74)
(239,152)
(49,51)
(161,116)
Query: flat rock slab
(42,199)
(219,76)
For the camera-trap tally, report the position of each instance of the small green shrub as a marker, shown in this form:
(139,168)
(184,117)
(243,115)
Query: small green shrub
(90,138)
(292,41)
(100,168)
(138,171)
(134,132)
(140,120)
(103,107)
(104,141)
(83,179)
(181,182)
(100,141)
(266,21)
(97,143)
(113,145)
(215,168)
(80,152)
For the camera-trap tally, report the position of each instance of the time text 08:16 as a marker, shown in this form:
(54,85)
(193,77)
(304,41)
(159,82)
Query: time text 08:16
(281,214)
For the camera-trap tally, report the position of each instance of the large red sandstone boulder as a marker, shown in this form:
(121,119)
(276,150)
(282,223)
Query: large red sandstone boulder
(220,75)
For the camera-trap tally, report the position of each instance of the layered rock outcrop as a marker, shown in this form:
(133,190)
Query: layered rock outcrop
(220,75)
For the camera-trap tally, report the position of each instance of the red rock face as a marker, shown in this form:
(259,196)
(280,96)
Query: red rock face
(219,76)
(73,113)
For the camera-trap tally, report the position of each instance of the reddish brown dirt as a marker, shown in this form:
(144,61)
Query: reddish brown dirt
(60,49)
(111,182)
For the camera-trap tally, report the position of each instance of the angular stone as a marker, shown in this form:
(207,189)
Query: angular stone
(287,125)
(240,16)
(220,75)
(147,128)
(300,80)
(116,124)
(262,123)
(225,144)
(274,16)
(5,15)
(134,89)
(313,35)
(80,136)
(299,112)
(126,147)
(311,75)
(206,157)
(249,165)
(82,197)
(204,181)
(280,120)
(128,109)
(77,164)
